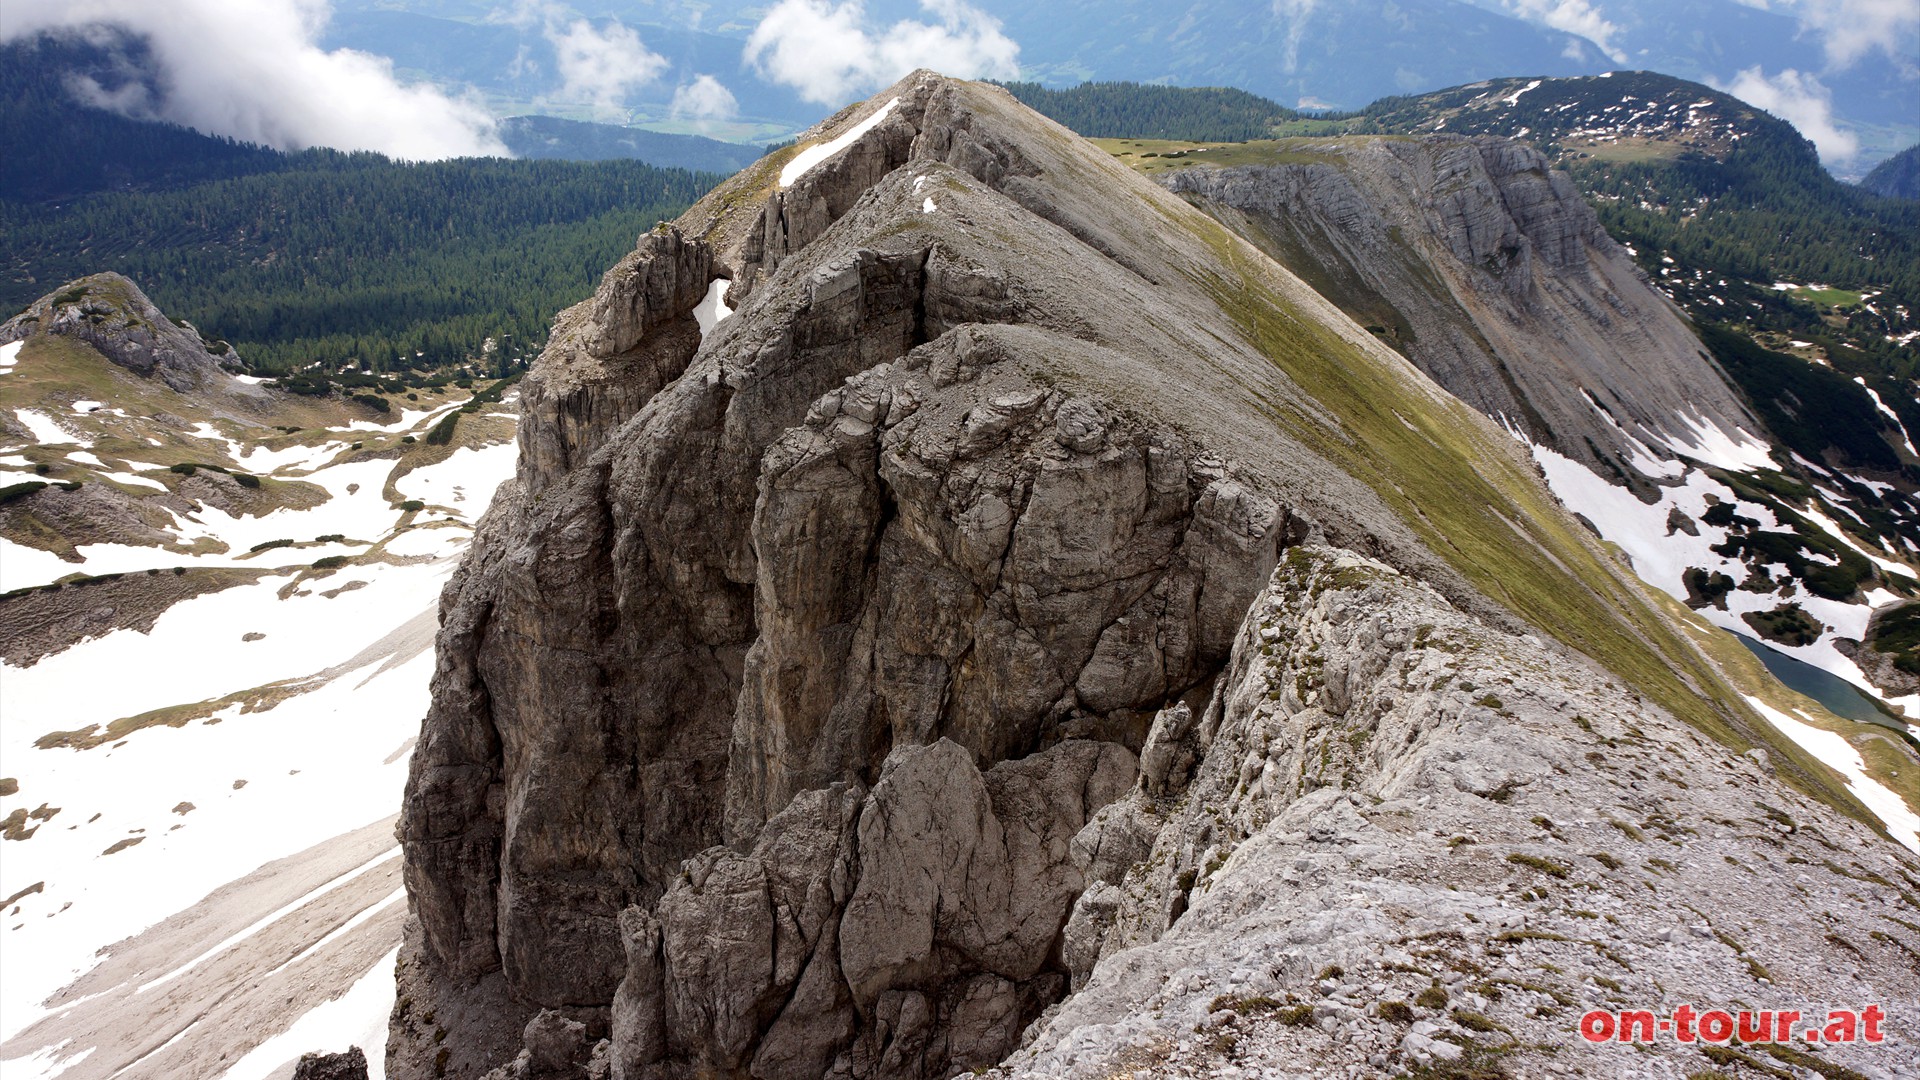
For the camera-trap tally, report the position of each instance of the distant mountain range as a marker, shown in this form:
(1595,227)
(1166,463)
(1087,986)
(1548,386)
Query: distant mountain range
(435,260)
(1301,53)
(1898,177)
(1725,207)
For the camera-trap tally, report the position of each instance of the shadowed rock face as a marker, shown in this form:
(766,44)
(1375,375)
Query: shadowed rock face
(110,313)
(1490,272)
(775,698)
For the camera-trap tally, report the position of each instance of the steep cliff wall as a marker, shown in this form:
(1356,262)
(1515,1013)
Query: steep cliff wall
(773,694)
(1490,272)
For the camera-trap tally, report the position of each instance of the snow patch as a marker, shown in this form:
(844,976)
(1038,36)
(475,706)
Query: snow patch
(133,481)
(1890,414)
(409,419)
(806,159)
(710,311)
(468,477)
(1707,442)
(1838,754)
(314,767)
(1662,560)
(44,430)
(297,457)
(9,355)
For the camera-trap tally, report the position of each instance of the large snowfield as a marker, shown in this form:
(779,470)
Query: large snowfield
(215,898)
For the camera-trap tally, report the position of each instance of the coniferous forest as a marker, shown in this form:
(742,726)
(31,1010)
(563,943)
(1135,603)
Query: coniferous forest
(354,257)
(314,257)
(1128,110)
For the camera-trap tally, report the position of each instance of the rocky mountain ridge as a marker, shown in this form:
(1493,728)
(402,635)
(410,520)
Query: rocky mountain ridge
(778,700)
(1489,270)
(1585,114)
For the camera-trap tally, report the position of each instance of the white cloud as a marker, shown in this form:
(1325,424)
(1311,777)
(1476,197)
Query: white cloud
(1294,13)
(1800,100)
(1850,29)
(704,99)
(830,52)
(251,69)
(602,65)
(1578,17)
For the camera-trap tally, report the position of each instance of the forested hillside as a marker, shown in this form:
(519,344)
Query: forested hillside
(1128,110)
(575,140)
(341,257)
(316,257)
(97,150)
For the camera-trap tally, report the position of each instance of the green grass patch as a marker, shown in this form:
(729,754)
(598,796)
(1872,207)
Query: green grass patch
(1828,297)
(1550,867)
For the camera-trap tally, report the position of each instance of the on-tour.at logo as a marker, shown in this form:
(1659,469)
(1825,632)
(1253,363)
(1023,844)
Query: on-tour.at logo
(1689,1025)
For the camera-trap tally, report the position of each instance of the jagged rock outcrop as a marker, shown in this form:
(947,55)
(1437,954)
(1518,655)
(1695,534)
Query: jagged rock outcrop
(350,1064)
(1491,272)
(110,313)
(610,353)
(1882,668)
(902,931)
(774,697)
(854,522)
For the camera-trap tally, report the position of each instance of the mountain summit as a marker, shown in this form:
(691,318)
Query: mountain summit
(962,607)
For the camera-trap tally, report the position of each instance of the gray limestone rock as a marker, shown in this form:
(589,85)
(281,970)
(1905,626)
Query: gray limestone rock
(932,899)
(786,707)
(1487,815)
(110,313)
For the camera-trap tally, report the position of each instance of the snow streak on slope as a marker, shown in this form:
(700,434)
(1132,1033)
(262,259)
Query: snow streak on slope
(1835,752)
(186,884)
(805,160)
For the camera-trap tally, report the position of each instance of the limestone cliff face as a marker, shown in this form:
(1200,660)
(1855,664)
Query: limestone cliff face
(110,313)
(776,695)
(1489,271)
